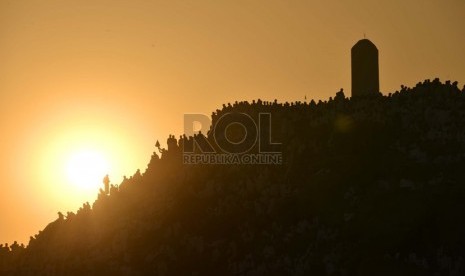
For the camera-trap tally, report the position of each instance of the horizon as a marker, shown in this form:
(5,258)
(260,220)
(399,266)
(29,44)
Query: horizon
(112,78)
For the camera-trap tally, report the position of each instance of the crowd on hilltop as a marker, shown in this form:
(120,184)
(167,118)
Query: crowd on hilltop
(417,104)
(368,185)
(376,107)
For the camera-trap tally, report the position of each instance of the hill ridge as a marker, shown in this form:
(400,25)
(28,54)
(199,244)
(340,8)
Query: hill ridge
(368,185)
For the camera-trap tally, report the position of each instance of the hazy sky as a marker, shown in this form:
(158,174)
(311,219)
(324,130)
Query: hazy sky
(114,76)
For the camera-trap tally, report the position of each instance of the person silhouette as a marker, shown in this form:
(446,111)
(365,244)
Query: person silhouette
(106,184)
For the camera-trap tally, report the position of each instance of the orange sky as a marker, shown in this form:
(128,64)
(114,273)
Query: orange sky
(118,75)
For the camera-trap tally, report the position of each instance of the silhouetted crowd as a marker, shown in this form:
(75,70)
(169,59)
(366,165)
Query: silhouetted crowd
(369,186)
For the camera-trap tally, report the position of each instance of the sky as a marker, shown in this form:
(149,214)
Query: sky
(110,77)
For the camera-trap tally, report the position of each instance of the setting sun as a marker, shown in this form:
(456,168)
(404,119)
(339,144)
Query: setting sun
(86,169)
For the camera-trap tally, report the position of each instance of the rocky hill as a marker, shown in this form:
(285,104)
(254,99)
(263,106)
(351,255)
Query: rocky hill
(367,186)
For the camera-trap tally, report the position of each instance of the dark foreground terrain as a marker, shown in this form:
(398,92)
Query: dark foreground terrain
(368,186)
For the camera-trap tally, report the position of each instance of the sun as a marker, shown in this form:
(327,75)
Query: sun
(86,168)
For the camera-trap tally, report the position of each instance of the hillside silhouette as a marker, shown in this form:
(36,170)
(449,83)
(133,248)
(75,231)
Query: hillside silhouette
(368,186)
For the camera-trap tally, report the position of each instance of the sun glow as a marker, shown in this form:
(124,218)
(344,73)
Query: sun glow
(86,168)
(71,146)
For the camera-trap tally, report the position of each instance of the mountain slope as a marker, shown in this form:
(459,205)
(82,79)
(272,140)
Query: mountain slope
(368,186)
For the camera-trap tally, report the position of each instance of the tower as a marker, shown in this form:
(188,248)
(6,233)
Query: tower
(365,71)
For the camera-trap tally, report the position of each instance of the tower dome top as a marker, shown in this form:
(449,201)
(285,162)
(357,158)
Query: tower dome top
(364,43)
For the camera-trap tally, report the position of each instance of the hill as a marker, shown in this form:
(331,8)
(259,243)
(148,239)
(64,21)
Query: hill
(367,186)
